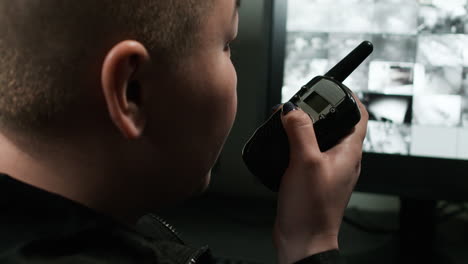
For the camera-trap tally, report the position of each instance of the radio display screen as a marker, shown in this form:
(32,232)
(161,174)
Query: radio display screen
(316,102)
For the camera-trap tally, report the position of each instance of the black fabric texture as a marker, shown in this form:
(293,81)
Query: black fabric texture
(328,257)
(40,227)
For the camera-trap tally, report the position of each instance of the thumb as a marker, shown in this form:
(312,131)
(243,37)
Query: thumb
(300,130)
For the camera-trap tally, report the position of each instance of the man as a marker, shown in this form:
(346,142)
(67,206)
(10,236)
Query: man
(113,109)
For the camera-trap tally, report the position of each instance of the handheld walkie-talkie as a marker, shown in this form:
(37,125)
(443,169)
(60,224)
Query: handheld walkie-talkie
(327,101)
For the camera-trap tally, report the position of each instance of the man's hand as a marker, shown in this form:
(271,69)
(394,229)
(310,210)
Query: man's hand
(315,188)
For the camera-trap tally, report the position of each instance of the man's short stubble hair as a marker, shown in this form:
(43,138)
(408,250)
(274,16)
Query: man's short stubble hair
(45,48)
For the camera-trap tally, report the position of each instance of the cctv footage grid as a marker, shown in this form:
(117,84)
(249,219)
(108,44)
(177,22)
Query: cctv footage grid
(415,84)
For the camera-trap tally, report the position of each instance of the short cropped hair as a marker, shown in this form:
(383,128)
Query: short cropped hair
(44,45)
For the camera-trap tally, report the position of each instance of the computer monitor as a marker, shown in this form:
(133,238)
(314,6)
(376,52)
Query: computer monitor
(415,84)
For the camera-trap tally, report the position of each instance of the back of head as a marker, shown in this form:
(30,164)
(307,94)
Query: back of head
(87,94)
(52,50)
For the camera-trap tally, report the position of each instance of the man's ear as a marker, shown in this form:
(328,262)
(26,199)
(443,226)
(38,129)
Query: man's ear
(122,88)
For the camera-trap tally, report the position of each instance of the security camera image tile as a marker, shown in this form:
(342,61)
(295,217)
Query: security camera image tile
(388,138)
(402,20)
(391,78)
(439,80)
(442,50)
(443,17)
(392,109)
(437,110)
(389,47)
(414,84)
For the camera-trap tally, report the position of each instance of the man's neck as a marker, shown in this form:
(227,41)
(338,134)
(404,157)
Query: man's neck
(76,177)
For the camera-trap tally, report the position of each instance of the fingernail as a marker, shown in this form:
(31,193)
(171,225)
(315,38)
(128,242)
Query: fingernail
(274,108)
(288,107)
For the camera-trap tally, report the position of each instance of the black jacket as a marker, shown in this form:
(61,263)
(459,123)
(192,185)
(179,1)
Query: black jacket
(40,227)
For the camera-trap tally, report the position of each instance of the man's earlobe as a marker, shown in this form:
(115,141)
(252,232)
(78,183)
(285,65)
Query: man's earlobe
(122,89)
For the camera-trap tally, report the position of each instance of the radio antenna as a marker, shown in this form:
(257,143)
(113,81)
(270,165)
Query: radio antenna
(346,66)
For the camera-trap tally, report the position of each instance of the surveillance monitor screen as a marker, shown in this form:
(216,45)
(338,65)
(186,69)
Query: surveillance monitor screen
(415,84)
